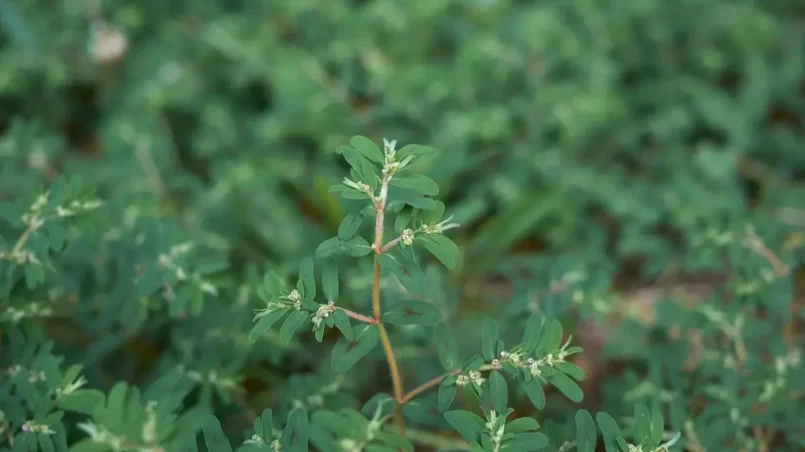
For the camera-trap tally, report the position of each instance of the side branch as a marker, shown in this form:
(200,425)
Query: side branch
(359,317)
(427,385)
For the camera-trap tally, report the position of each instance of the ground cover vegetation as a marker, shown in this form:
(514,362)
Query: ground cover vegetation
(373,225)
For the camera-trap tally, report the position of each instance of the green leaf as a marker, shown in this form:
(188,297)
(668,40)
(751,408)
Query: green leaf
(368,148)
(568,387)
(343,324)
(329,279)
(546,338)
(416,150)
(265,323)
(525,442)
(533,330)
(489,338)
(498,391)
(348,192)
(534,391)
(571,369)
(34,275)
(412,312)
(642,423)
(295,434)
(273,285)
(401,221)
(474,363)
(306,285)
(413,199)
(446,346)
(522,424)
(292,323)
(440,246)
(355,247)
(586,435)
(467,424)
(610,431)
(398,442)
(347,353)
(214,437)
(266,424)
(417,182)
(359,163)
(45,443)
(657,428)
(447,392)
(81,401)
(407,272)
(349,225)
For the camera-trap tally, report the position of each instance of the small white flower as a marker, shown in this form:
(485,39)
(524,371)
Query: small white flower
(407,237)
(476,377)
(360,186)
(440,227)
(533,368)
(389,148)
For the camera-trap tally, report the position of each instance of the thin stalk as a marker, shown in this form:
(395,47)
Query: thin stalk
(427,385)
(359,317)
(396,376)
(433,382)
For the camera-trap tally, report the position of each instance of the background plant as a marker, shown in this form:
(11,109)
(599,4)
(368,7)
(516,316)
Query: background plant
(632,171)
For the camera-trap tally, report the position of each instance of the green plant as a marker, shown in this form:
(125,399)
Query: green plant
(384,188)
(631,171)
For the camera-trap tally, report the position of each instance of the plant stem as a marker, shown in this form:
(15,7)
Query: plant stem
(359,317)
(435,382)
(396,376)
(390,245)
(427,385)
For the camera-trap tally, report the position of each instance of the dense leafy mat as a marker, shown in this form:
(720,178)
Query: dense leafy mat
(615,183)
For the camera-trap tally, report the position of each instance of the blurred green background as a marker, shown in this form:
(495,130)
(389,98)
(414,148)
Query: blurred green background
(612,135)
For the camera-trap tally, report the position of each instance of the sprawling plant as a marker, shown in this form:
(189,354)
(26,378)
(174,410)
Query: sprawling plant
(385,188)
(606,252)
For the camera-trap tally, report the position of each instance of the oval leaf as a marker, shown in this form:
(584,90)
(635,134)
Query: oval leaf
(306,285)
(610,431)
(489,338)
(295,435)
(446,346)
(413,312)
(349,225)
(343,324)
(329,279)
(586,435)
(498,391)
(292,323)
(440,246)
(368,148)
(467,424)
(265,323)
(355,247)
(642,423)
(214,437)
(526,442)
(447,392)
(347,353)
(535,393)
(524,424)
(568,387)
(417,182)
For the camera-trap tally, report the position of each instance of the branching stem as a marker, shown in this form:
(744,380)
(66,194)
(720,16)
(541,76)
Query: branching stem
(359,317)
(390,245)
(396,375)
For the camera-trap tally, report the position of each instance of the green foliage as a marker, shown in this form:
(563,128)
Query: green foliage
(207,244)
